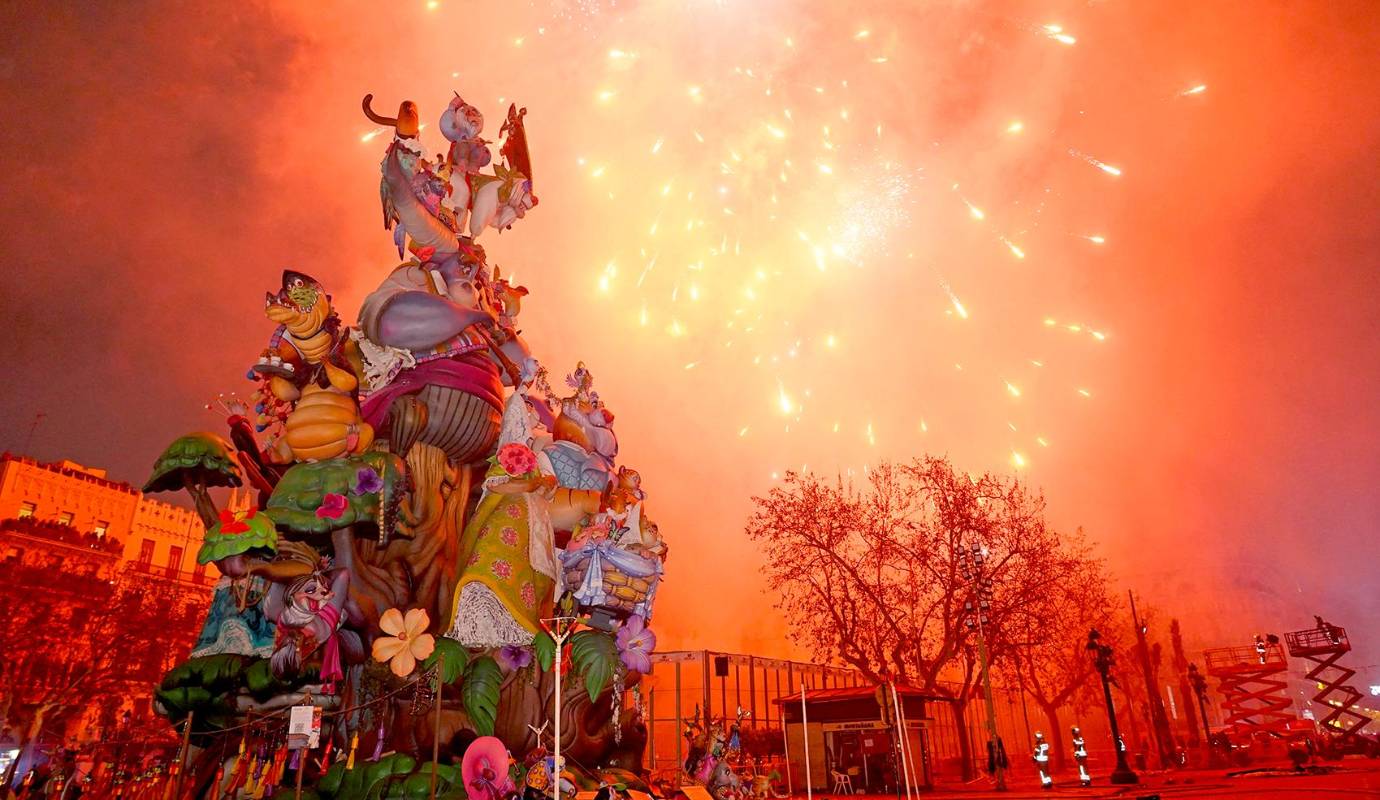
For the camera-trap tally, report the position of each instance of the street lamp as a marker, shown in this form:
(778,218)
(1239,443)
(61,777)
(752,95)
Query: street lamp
(1102,660)
(971,562)
(1199,684)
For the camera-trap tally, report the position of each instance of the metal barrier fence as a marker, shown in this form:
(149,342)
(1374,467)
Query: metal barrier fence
(683,682)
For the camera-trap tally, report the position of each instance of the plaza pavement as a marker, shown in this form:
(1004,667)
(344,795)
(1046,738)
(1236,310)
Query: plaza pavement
(1350,778)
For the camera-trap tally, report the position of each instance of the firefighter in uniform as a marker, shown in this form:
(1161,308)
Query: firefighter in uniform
(1041,759)
(1080,754)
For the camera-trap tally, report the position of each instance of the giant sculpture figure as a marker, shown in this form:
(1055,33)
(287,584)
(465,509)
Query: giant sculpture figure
(414,503)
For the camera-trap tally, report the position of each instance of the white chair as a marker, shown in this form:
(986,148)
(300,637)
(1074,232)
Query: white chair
(843,784)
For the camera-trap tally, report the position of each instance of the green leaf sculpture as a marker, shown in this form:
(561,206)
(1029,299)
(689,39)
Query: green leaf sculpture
(595,653)
(457,658)
(483,677)
(545,649)
(376,778)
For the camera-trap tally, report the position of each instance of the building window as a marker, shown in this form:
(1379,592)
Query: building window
(174,560)
(65,518)
(26,510)
(146,552)
(101,527)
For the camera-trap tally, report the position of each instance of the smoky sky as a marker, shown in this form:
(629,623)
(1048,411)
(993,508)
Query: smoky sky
(163,162)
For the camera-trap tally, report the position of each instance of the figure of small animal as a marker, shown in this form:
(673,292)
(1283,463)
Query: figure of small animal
(586,424)
(406,125)
(461,124)
(309,614)
(508,297)
(499,200)
(723,782)
(309,340)
(761,787)
(310,366)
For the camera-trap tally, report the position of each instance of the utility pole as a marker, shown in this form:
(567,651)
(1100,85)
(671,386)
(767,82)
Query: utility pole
(1159,721)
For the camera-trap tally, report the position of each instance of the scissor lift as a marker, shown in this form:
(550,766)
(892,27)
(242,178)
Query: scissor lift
(1324,646)
(1254,687)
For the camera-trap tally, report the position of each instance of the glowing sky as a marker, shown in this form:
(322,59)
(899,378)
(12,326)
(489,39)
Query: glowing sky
(1126,248)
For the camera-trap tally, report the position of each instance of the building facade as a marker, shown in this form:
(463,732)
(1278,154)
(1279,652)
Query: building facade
(102,594)
(156,537)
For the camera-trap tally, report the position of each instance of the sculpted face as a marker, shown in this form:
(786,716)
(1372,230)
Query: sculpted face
(408,121)
(313,594)
(464,291)
(461,121)
(301,303)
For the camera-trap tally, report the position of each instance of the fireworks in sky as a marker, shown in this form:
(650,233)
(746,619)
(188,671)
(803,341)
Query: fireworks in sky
(765,180)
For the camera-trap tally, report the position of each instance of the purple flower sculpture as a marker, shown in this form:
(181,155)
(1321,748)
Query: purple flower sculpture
(367,481)
(635,645)
(332,506)
(513,657)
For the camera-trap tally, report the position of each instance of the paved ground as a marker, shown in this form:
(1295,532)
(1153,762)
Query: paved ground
(1342,779)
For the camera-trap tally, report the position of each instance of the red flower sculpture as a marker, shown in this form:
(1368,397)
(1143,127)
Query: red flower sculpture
(517,459)
(234,522)
(332,506)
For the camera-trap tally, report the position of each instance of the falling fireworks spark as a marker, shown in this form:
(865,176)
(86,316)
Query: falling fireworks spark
(1107,168)
(953,300)
(744,227)
(1056,32)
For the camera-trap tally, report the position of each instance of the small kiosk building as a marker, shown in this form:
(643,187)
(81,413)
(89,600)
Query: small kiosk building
(852,732)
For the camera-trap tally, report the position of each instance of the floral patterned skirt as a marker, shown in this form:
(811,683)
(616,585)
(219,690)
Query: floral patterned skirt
(500,598)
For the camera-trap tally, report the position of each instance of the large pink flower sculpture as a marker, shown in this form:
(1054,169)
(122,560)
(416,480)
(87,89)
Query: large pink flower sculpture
(485,769)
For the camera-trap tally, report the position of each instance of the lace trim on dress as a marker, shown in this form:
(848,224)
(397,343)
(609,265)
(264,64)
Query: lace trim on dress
(481,620)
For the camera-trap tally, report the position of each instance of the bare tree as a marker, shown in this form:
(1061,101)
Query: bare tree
(871,575)
(76,642)
(1186,696)
(1052,665)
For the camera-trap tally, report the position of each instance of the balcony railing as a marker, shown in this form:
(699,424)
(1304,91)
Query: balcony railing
(167,573)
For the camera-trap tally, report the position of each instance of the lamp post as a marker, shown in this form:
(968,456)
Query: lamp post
(971,562)
(122,734)
(1199,684)
(1102,660)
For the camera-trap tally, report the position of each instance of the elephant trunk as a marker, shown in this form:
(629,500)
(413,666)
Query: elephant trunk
(424,227)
